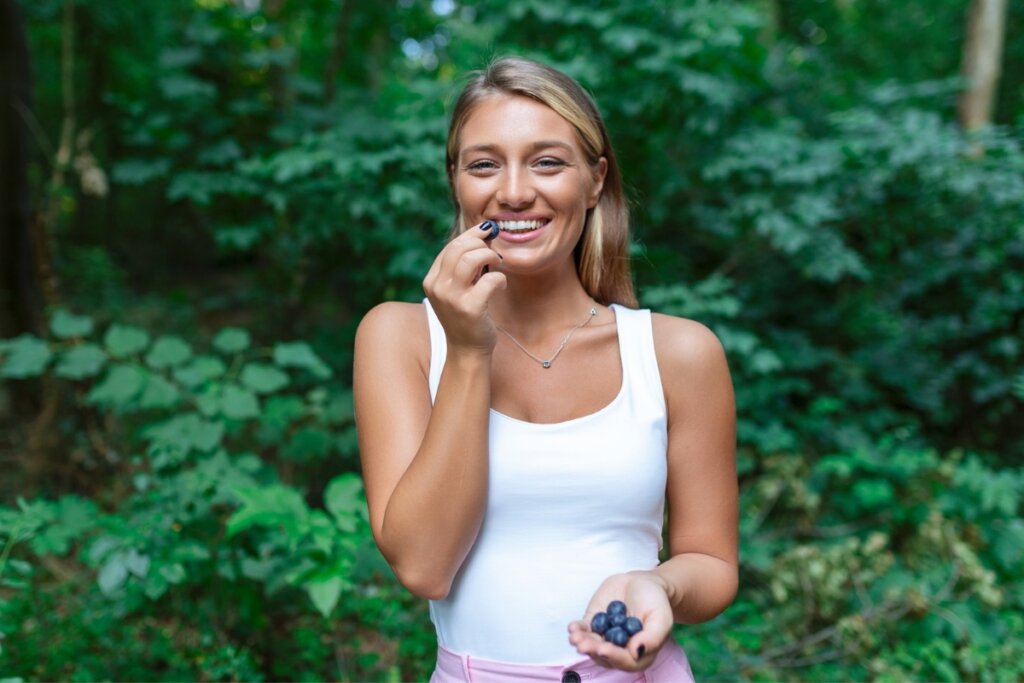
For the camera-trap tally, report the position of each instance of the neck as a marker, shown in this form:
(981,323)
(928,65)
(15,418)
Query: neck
(535,309)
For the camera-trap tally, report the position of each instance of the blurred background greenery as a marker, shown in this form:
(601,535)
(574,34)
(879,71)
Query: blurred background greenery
(200,198)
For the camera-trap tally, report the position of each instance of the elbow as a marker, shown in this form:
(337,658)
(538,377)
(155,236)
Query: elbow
(423,584)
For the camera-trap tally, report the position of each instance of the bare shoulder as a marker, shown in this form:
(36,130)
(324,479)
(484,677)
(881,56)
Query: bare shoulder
(394,326)
(694,370)
(394,316)
(684,344)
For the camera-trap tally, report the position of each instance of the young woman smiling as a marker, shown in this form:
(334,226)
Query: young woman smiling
(523,428)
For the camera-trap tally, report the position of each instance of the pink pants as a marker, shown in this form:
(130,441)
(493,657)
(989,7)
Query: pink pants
(670,666)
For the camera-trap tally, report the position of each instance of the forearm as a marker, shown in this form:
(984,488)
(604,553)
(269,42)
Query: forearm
(699,586)
(434,514)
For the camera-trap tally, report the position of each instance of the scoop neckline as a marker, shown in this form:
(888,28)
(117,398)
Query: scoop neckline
(597,413)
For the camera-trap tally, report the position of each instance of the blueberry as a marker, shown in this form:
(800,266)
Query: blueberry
(617,620)
(616,607)
(617,636)
(599,624)
(633,626)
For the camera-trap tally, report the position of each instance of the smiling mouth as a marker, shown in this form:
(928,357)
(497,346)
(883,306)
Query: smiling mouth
(516,227)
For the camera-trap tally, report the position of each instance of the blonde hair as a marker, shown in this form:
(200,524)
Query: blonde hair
(602,254)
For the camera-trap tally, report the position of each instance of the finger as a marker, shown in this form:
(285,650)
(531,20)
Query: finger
(473,263)
(483,232)
(616,657)
(456,251)
(485,288)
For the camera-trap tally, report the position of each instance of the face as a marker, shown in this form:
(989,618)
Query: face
(520,164)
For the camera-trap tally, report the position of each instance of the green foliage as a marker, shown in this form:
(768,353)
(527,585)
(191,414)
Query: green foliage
(797,184)
(206,523)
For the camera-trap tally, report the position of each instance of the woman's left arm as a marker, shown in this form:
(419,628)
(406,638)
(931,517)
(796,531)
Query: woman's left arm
(700,578)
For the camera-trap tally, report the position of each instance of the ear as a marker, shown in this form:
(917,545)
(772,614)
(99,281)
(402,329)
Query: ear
(599,173)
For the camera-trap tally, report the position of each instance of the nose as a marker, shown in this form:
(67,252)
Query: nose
(516,190)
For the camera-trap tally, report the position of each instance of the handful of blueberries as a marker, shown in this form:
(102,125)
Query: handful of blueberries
(614,625)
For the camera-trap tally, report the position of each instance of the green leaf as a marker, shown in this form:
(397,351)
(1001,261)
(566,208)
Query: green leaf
(119,387)
(187,431)
(113,574)
(263,378)
(309,443)
(67,326)
(136,563)
(168,351)
(159,393)
(200,370)
(72,518)
(300,355)
(79,362)
(273,505)
(173,573)
(24,356)
(343,499)
(325,593)
(231,340)
(140,171)
(181,86)
(238,403)
(124,340)
(279,412)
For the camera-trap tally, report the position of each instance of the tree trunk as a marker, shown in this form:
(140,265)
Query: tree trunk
(280,92)
(980,63)
(19,299)
(339,49)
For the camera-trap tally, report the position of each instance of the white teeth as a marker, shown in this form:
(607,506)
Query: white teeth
(520,226)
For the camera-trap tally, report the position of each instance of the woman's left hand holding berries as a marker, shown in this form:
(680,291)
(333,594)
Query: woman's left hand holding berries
(646,597)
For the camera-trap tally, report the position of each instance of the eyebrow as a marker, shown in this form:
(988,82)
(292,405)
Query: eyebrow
(540,144)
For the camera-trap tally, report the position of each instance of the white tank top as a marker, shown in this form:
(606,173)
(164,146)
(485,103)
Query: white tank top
(568,505)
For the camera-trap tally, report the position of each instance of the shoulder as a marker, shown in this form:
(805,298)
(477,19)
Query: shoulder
(691,361)
(394,327)
(394,316)
(684,343)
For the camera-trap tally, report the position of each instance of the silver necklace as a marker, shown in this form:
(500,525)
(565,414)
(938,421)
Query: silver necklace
(547,363)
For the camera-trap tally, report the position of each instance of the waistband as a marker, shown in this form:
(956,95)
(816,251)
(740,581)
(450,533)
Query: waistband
(670,666)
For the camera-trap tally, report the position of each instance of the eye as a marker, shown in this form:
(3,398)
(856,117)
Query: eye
(549,164)
(481,166)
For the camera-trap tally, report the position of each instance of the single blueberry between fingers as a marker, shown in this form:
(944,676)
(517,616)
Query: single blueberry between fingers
(617,636)
(599,624)
(616,607)
(633,626)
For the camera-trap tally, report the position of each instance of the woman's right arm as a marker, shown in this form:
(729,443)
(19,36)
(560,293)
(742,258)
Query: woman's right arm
(425,466)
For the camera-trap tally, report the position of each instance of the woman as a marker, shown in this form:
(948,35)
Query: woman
(522,429)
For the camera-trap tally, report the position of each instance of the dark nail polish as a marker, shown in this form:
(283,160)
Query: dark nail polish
(640,651)
(492,227)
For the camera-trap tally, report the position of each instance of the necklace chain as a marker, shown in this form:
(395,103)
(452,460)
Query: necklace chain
(547,363)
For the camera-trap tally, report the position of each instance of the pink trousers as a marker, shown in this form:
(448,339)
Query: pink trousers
(670,666)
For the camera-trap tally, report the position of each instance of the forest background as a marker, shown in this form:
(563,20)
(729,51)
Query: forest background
(200,198)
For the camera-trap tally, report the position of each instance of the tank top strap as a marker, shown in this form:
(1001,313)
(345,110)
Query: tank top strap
(438,348)
(640,371)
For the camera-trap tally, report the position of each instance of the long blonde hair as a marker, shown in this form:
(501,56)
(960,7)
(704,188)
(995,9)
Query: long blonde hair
(602,254)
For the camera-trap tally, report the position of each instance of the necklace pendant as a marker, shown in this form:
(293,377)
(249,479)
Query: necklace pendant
(546,364)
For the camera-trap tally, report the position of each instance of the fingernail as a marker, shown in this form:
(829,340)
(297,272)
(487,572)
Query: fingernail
(491,226)
(640,651)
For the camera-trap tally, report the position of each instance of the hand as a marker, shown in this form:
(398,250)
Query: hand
(459,284)
(646,597)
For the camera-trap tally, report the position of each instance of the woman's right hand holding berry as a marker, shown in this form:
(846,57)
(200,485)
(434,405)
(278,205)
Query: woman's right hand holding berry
(459,285)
